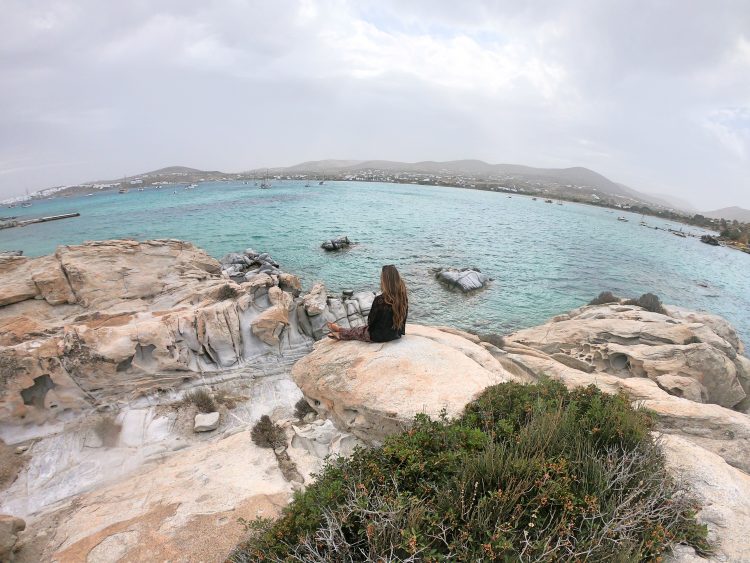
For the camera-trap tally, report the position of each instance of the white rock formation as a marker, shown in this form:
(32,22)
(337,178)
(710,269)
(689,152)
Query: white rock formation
(206,422)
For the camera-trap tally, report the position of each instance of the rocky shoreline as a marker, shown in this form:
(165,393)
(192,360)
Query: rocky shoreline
(102,342)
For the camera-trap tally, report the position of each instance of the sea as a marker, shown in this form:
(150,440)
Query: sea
(544,259)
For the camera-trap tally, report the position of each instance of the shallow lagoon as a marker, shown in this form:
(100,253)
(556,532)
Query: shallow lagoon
(545,258)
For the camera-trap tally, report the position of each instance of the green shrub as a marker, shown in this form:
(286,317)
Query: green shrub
(528,473)
(604,298)
(648,301)
(227,292)
(302,408)
(267,434)
(202,399)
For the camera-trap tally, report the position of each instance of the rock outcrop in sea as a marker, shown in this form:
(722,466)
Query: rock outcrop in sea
(465,279)
(101,345)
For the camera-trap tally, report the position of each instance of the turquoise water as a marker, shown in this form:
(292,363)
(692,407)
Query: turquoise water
(545,259)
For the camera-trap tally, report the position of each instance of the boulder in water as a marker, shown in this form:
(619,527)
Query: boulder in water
(336,243)
(708,239)
(466,279)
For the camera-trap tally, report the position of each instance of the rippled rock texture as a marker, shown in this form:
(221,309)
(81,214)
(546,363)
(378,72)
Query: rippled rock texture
(96,322)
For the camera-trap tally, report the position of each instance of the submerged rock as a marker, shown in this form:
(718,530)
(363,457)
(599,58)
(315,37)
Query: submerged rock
(466,280)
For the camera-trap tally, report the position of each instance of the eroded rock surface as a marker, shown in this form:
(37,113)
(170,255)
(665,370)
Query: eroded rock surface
(97,322)
(688,354)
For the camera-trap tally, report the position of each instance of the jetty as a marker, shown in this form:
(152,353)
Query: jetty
(15,223)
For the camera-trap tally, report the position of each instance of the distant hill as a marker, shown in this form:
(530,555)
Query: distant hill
(731,214)
(575,176)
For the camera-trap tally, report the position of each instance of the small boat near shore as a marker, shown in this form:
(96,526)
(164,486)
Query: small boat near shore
(623,219)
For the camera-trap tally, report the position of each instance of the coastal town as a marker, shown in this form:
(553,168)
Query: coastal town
(546,185)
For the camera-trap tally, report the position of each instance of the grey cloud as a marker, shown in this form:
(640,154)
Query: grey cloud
(650,94)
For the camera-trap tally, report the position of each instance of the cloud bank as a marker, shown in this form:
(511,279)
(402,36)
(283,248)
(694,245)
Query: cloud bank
(652,94)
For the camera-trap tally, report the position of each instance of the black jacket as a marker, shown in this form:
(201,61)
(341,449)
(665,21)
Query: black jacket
(380,322)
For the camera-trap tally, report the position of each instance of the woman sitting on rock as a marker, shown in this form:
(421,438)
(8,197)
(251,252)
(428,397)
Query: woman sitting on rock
(387,318)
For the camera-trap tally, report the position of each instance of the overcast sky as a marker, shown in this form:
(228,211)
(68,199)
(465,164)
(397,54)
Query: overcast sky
(653,94)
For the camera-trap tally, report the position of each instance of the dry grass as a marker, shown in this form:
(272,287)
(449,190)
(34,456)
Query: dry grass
(202,399)
(268,434)
(108,430)
(302,408)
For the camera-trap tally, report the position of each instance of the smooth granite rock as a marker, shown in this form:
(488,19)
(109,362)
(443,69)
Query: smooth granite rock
(206,422)
(465,280)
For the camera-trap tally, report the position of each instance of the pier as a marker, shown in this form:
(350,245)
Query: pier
(14,223)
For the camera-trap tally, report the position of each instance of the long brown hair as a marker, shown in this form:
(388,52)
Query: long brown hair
(394,293)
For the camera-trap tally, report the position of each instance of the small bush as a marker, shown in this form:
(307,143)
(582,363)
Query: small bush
(227,292)
(604,298)
(302,408)
(108,430)
(495,339)
(528,473)
(202,399)
(267,434)
(648,301)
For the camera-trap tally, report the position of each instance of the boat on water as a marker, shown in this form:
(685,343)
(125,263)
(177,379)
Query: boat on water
(559,203)
(547,201)
(623,219)
(25,205)
(307,184)
(533,199)
(122,191)
(265,184)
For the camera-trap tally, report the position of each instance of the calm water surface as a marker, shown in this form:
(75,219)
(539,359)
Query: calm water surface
(545,259)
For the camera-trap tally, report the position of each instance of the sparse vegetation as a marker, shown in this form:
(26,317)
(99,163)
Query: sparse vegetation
(302,408)
(528,473)
(227,292)
(108,430)
(604,298)
(648,301)
(491,338)
(202,399)
(268,434)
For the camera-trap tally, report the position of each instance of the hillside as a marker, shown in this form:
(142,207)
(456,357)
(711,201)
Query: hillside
(574,180)
(731,214)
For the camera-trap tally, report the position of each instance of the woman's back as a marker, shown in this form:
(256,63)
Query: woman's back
(380,321)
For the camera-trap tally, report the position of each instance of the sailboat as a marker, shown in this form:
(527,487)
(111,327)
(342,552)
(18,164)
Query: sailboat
(323,181)
(265,184)
(27,203)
